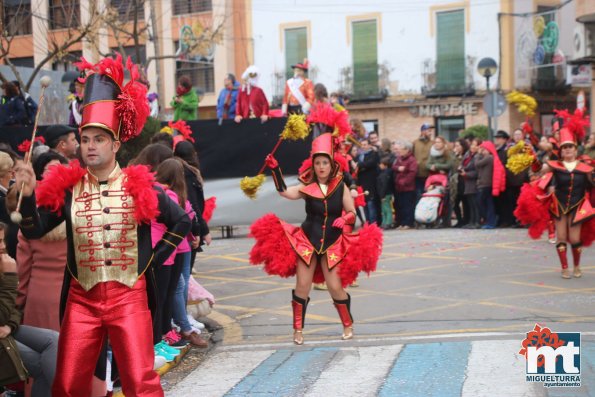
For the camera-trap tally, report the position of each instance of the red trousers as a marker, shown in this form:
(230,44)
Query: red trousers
(121,313)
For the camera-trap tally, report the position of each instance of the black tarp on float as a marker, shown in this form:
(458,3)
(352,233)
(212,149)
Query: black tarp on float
(229,150)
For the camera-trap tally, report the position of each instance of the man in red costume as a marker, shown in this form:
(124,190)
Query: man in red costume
(252,102)
(109,283)
(299,91)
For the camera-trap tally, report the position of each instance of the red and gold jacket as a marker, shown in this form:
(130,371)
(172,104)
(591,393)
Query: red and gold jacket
(107,223)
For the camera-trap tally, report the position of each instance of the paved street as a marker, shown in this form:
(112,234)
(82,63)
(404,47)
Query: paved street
(444,315)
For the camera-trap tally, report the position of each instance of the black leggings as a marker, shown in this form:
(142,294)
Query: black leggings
(167,281)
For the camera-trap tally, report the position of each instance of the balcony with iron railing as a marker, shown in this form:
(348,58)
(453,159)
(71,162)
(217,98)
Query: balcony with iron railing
(549,78)
(447,77)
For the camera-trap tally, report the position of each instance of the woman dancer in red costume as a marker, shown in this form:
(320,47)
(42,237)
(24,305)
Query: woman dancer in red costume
(564,191)
(323,248)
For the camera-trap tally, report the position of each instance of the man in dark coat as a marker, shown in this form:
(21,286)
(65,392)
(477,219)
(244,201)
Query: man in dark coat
(367,165)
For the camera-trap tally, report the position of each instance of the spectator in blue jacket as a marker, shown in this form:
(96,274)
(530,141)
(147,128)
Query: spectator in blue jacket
(226,104)
(12,107)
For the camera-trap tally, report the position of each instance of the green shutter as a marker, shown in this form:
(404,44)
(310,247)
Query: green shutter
(365,58)
(450,51)
(296,48)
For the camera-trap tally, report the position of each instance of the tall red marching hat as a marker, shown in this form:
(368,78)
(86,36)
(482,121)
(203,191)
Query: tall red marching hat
(572,125)
(109,104)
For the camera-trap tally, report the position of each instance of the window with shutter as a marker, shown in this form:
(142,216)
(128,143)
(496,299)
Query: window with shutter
(64,14)
(17,17)
(365,58)
(450,51)
(296,48)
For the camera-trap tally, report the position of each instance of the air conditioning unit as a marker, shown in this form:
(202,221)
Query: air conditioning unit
(584,40)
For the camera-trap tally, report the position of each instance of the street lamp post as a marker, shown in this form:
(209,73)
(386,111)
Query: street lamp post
(487,67)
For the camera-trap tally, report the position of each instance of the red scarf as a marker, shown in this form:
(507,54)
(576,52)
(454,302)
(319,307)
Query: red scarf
(182,90)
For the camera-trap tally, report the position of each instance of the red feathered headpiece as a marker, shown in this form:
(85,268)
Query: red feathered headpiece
(573,127)
(120,110)
(325,114)
(183,129)
(25,146)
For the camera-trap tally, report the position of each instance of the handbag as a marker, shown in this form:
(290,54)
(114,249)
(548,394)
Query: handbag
(13,368)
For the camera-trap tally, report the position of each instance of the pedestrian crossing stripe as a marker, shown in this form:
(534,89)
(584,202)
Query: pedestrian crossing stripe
(489,368)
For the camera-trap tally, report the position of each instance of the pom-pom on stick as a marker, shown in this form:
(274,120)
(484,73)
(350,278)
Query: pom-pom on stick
(250,185)
(45,82)
(295,128)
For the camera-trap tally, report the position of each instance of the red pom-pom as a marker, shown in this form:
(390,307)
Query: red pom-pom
(363,254)
(51,191)
(24,146)
(272,247)
(139,183)
(183,128)
(210,205)
(324,113)
(531,210)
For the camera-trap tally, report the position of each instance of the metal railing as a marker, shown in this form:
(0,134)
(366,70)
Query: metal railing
(447,77)
(191,6)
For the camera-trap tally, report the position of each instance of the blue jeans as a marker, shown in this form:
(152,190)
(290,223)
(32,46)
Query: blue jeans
(486,206)
(39,349)
(371,211)
(181,297)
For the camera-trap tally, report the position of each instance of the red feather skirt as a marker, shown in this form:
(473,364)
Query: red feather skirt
(280,245)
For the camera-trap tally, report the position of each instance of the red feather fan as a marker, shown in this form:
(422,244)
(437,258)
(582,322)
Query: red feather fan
(139,183)
(532,211)
(272,247)
(210,205)
(51,191)
(363,254)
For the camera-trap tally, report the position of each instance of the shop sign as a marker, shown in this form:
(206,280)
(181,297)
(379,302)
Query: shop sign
(445,109)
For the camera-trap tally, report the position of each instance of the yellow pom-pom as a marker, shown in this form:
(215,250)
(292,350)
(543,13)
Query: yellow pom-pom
(167,130)
(519,163)
(519,147)
(250,185)
(295,128)
(525,104)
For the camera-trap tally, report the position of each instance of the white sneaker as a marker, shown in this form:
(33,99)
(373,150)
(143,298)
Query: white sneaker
(175,327)
(194,323)
(159,362)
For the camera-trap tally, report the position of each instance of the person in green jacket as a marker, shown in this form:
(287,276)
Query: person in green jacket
(185,103)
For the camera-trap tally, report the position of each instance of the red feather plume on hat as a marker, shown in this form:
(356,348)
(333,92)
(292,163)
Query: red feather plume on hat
(324,113)
(183,128)
(133,105)
(574,122)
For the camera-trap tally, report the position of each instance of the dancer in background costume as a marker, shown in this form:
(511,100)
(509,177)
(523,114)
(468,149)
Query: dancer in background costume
(109,285)
(323,248)
(564,191)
